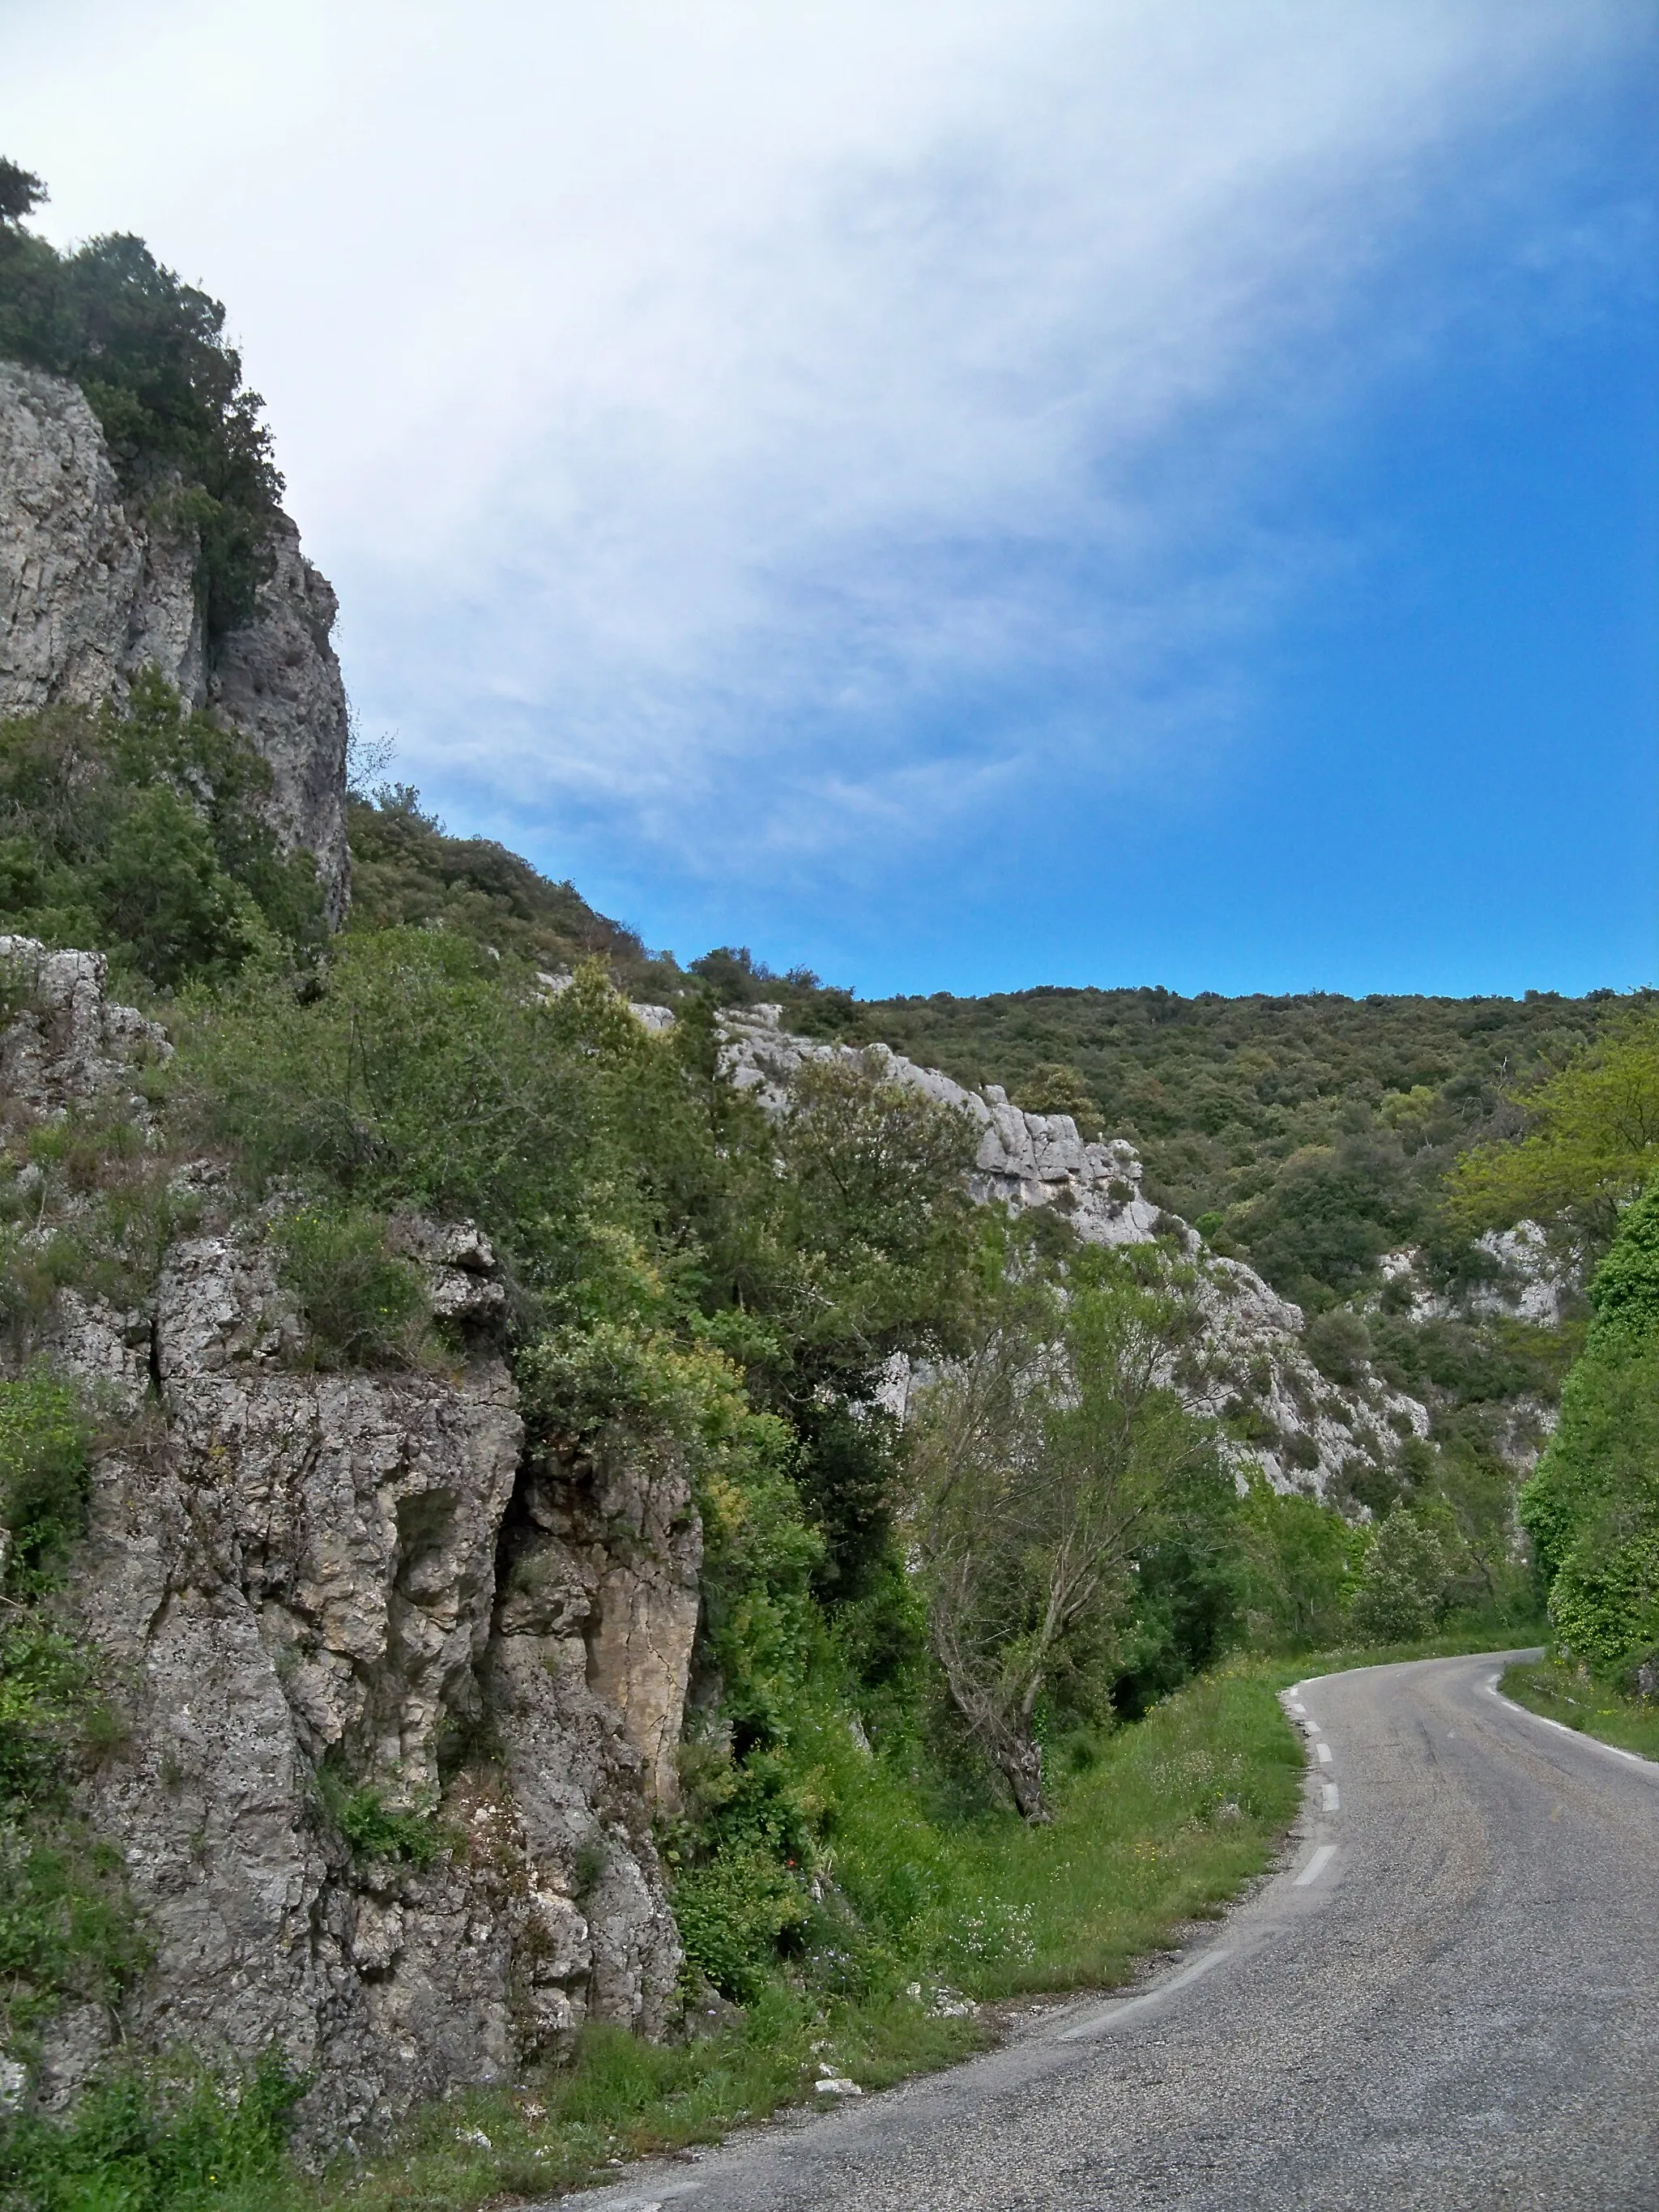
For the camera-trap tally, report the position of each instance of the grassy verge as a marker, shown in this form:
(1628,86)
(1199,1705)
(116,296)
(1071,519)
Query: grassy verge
(1172,1818)
(1561,1692)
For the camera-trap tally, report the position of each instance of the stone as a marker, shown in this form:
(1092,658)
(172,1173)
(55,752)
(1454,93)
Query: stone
(92,592)
(291,1573)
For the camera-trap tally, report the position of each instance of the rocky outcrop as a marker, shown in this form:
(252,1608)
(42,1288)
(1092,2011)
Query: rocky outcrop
(93,590)
(1529,1276)
(1249,1369)
(311,1591)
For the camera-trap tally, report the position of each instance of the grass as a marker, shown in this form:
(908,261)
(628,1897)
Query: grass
(1562,1693)
(1170,1820)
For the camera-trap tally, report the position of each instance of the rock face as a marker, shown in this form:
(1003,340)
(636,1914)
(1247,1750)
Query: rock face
(92,591)
(1304,1431)
(311,1590)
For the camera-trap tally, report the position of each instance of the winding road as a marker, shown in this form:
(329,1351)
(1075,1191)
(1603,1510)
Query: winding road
(1447,2000)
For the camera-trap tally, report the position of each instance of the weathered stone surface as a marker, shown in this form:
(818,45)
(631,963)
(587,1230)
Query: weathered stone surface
(277,680)
(66,1044)
(92,591)
(88,595)
(292,1574)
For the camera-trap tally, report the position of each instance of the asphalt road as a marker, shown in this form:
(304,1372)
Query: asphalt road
(1446,2001)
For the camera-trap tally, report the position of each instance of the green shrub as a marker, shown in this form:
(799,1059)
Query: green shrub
(372,1828)
(160,2139)
(731,1915)
(1298,1554)
(46,1436)
(141,830)
(1592,1507)
(1339,1344)
(363,1305)
(1403,1584)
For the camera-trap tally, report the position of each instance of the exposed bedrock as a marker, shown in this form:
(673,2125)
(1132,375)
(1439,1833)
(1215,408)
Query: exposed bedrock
(93,590)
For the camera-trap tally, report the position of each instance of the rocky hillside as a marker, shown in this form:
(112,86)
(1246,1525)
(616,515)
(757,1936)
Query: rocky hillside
(96,585)
(298,1581)
(1247,1368)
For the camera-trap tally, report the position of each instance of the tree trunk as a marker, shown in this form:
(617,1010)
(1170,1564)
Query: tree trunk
(1019,1760)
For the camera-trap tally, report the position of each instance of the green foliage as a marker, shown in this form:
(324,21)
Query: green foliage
(161,2139)
(363,1304)
(1339,1344)
(1052,1087)
(139,830)
(374,1830)
(1071,1517)
(66,1926)
(45,1437)
(1404,1581)
(1624,1293)
(407,873)
(1592,1508)
(1310,1132)
(1591,1137)
(730,1914)
(1299,1559)
(151,355)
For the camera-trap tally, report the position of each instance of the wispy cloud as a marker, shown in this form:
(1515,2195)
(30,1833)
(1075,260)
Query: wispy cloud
(810,433)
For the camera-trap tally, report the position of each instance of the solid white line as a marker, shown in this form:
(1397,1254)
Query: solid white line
(1331,1798)
(1316,1866)
(1578,1735)
(1323,1753)
(1103,2022)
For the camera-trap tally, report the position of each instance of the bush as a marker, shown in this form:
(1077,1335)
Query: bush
(156,2140)
(141,830)
(1592,1507)
(363,1306)
(46,1434)
(1403,1584)
(731,1914)
(370,1827)
(1297,1578)
(1339,1344)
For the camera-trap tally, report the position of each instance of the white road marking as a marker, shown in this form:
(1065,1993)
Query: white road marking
(1331,1798)
(1104,2021)
(1316,1866)
(1578,1735)
(1323,1753)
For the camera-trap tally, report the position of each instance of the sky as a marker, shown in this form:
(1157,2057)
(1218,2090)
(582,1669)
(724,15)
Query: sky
(956,493)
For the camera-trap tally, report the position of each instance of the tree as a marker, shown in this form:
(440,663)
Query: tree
(1045,1465)
(1053,1087)
(20,191)
(1592,1508)
(1404,1583)
(1591,1143)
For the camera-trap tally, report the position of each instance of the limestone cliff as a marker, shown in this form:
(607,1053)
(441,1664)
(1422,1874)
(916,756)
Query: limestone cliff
(93,590)
(301,1583)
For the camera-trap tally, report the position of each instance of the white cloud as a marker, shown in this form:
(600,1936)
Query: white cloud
(818,425)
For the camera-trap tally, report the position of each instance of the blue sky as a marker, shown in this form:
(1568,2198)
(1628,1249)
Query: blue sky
(961,494)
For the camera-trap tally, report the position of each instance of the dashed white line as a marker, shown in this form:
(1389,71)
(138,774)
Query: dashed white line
(1323,1753)
(1331,1798)
(1316,1866)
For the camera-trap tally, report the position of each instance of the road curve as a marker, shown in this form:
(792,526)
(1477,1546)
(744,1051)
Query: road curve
(1447,2000)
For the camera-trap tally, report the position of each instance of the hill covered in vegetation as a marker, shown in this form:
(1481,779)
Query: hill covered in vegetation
(546,1543)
